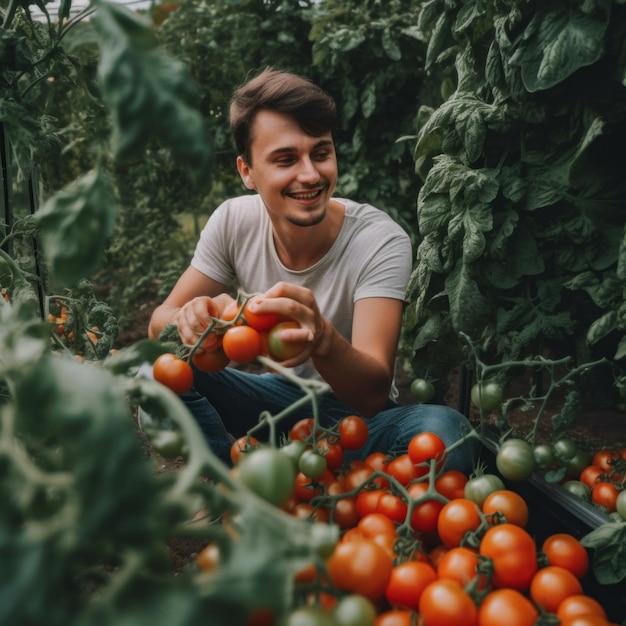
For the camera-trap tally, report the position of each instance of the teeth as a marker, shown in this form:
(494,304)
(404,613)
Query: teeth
(305,196)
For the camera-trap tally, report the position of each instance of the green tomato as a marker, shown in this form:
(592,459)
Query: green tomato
(312,464)
(544,455)
(487,396)
(576,464)
(269,473)
(294,449)
(578,489)
(168,443)
(422,389)
(515,459)
(477,488)
(354,610)
(620,504)
(564,449)
(307,616)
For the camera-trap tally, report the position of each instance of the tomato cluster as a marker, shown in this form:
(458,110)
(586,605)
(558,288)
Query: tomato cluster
(603,481)
(419,544)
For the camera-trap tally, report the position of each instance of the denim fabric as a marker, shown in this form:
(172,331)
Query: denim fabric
(227,404)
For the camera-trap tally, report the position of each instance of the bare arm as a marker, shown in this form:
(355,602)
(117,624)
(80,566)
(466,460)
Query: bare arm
(194,299)
(360,373)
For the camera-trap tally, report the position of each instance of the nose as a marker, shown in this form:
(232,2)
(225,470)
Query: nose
(307,172)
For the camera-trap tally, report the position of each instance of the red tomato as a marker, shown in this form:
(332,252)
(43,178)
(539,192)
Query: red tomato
(551,585)
(173,372)
(507,606)
(445,602)
(302,430)
(590,475)
(344,513)
(332,452)
(360,566)
(604,460)
(566,551)
(242,344)
(509,504)
(425,514)
(259,321)
(456,518)
(460,564)
(392,506)
(242,446)
(605,494)
(279,349)
(210,360)
(451,484)
(395,617)
(402,469)
(367,501)
(407,582)
(424,447)
(353,432)
(513,553)
(579,604)
(374,524)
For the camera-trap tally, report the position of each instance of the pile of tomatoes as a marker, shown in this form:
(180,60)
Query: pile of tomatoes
(419,544)
(603,481)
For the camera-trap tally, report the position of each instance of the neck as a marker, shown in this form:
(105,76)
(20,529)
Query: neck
(300,247)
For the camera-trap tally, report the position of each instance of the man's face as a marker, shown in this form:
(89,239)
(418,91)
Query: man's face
(294,173)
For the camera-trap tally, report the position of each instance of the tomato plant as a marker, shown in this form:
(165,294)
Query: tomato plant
(426,513)
(173,372)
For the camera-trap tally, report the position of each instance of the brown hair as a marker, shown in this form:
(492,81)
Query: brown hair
(283,92)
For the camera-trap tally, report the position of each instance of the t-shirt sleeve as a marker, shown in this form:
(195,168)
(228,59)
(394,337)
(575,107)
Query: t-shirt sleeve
(211,256)
(387,273)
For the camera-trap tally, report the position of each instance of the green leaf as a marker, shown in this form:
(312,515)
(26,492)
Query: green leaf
(368,99)
(467,304)
(609,560)
(390,45)
(602,327)
(557,42)
(75,226)
(150,95)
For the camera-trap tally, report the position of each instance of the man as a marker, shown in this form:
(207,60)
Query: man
(337,267)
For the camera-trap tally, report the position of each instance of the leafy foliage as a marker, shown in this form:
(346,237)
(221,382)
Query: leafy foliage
(521,214)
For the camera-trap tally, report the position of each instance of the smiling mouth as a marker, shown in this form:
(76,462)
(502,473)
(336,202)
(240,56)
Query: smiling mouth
(305,195)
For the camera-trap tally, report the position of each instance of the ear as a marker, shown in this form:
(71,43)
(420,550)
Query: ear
(246,175)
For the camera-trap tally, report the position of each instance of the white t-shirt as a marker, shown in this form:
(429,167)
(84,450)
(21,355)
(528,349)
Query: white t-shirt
(371,258)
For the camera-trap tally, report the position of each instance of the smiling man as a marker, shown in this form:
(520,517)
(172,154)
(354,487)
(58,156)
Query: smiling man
(338,267)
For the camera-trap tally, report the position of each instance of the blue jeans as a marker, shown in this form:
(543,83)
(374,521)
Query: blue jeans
(228,404)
